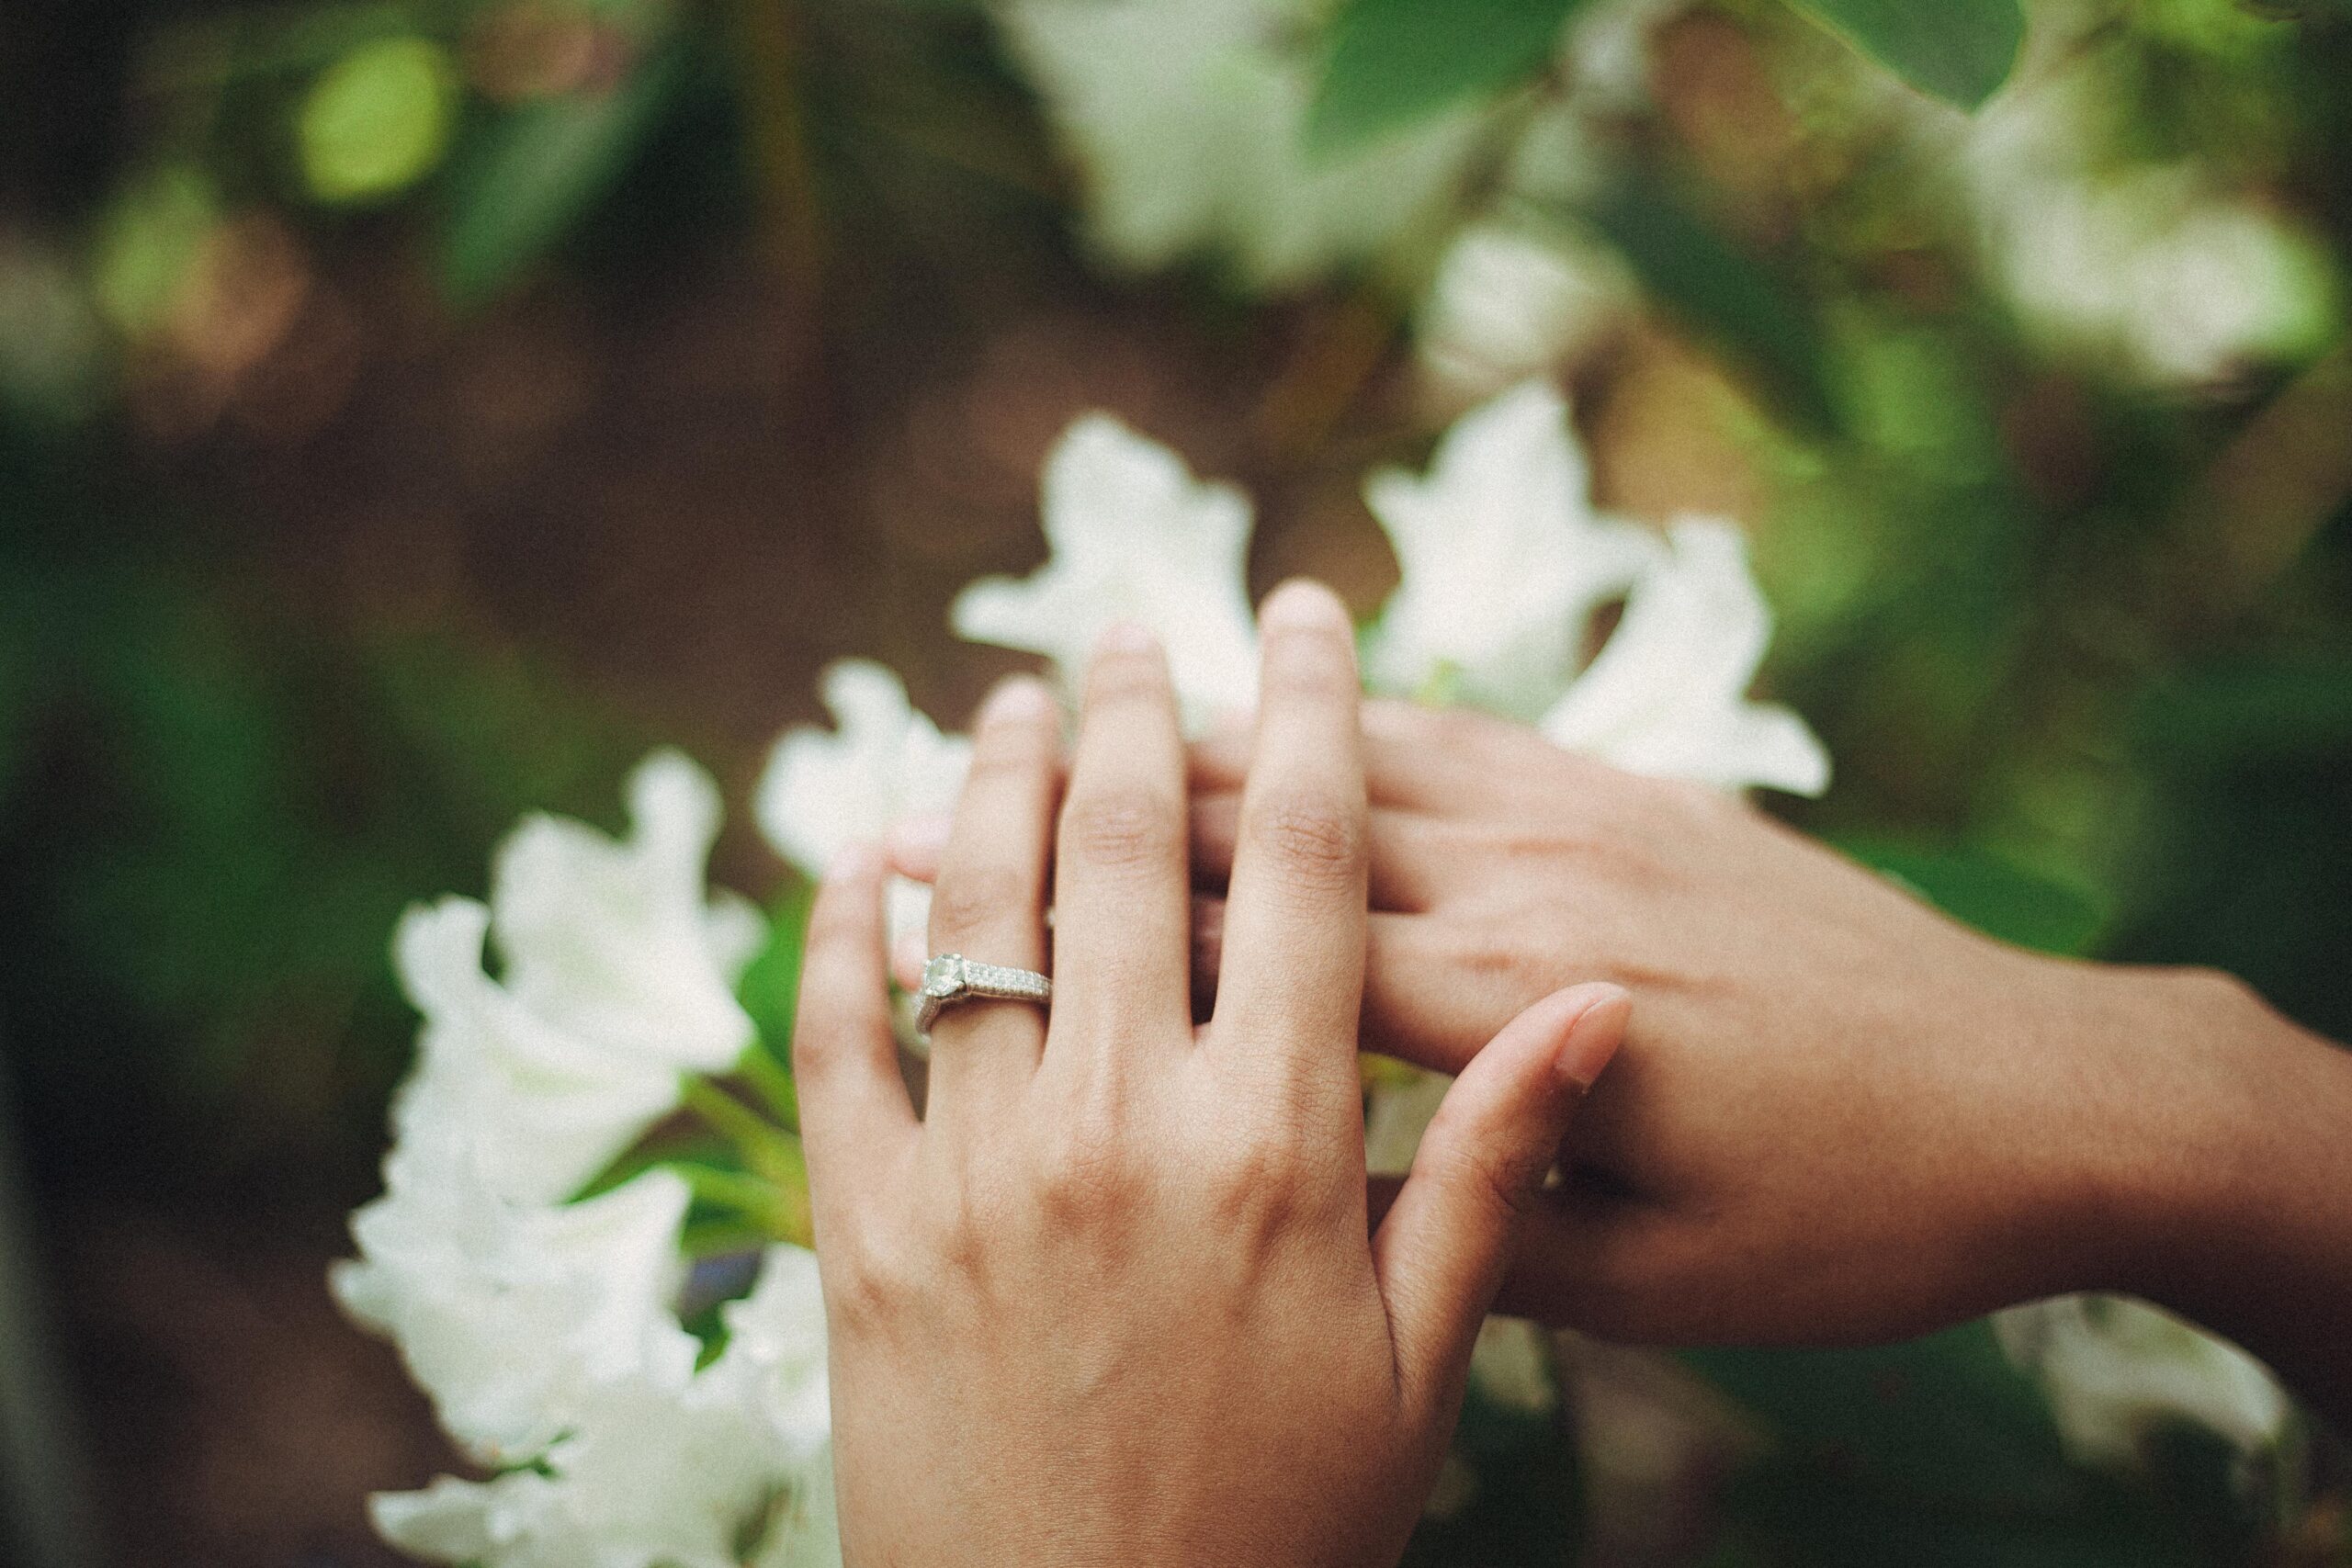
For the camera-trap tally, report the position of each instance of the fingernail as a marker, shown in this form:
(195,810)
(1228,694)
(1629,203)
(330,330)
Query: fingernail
(1016,697)
(854,863)
(920,836)
(1127,636)
(1592,1039)
(1303,603)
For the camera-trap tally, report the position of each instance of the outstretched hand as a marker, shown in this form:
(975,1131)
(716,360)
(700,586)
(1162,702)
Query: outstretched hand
(1114,1296)
(1840,1116)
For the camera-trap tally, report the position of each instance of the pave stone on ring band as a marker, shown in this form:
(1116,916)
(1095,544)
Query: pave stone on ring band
(951,978)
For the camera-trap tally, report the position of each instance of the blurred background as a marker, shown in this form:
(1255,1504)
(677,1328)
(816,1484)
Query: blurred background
(413,410)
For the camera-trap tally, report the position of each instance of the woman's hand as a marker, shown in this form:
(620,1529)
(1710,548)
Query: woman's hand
(1112,1298)
(1840,1116)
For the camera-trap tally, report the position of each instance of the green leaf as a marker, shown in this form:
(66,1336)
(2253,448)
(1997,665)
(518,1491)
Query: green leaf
(1702,276)
(770,988)
(2232,709)
(1985,890)
(528,180)
(1391,62)
(1943,1414)
(1959,51)
(377,121)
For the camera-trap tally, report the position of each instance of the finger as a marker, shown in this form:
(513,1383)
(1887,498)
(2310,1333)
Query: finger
(1294,946)
(854,1113)
(1422,1004)
(1441,1251)
(1408,852)
(916,845)
(989,902)
(909,954)
(1571,1238)
(1415,757)
(1122,900)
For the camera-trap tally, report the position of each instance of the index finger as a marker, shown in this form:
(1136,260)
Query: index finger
(1415,757)
(1293,976)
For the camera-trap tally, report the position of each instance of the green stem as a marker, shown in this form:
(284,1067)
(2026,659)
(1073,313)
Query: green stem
(736,1122)
(773,1081)
(773,1154)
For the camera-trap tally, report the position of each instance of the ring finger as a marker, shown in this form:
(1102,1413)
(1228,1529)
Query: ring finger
(989,902)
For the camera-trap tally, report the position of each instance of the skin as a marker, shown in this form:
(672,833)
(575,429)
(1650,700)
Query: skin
(1839,1117)
(1124,1255)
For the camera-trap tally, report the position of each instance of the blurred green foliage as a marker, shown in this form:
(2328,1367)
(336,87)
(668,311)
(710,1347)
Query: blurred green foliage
(2080,643)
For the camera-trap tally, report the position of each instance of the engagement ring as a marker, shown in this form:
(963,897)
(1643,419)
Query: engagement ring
(951,978)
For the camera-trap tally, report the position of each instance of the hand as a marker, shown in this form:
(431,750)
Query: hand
(1113,1299)
(1840,1116)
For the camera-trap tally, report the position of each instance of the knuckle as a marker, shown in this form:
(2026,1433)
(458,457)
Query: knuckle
(1007,754)
(974,899)
(1458,731)
(1316,841)
(1085,1177)
(1127,827)
(956,1233)
(866,1281)
(1493,956)
(1305,663)
(1117,679)
(1497,1181)
(817,1046)
(1273,1184)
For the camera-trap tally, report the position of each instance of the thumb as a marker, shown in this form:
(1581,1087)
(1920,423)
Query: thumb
(1441,1253)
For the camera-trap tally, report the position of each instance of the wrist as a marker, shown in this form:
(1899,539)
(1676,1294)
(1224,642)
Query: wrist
(2222,1185)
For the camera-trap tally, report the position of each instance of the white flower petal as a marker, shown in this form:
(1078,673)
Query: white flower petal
(805,1530)
(1666,696)
(1187,124)
(1134,537)
(1503,559)
(649,1481)
(613,941)
(543,1110)
(824,791)
(505,1314)
(2114,1367)
(1506,304)
(777,1344)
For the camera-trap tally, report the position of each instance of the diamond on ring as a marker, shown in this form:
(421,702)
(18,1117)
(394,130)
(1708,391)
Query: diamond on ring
(951,978)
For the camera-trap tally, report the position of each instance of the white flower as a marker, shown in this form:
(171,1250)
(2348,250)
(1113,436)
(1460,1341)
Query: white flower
(2147,265)
(653,1476)
(665,1467)
(1665,694)
(775,1347)
(1505,304)
(1134,538)
(1187,123)
(504,1313)
(2114,1367)
(804,1530)
(1605,52)
(540,1110)
(1502,560)
(614,942)
(883,763)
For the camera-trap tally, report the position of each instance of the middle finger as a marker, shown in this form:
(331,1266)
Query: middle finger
(1122,892)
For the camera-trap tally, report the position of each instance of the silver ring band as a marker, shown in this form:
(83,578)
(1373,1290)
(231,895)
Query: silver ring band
(951,978)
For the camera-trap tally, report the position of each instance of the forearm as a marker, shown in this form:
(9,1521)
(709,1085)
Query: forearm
(2241,1215)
